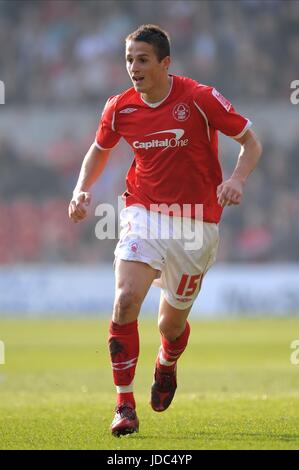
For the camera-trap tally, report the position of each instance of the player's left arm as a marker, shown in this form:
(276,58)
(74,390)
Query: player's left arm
(230,191)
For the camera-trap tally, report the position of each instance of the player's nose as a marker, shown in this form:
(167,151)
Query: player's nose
(134,67)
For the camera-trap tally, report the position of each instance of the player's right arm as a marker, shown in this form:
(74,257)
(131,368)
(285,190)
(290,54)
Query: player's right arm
(95,161)
(92,167)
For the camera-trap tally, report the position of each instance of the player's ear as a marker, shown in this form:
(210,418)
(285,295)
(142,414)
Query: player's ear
(166,62)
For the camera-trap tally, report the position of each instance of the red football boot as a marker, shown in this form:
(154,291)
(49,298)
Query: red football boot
(125,421)
(163,389)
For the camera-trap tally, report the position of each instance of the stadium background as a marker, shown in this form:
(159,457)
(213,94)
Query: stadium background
(64,59)
(59,61)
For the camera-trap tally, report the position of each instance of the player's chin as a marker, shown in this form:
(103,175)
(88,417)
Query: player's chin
(139,86)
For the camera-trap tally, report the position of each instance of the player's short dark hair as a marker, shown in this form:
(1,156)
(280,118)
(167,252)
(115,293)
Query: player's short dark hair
(154,35)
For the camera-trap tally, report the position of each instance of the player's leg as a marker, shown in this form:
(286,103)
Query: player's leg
(172,321)
(133,280)
(174,329)
(181,282)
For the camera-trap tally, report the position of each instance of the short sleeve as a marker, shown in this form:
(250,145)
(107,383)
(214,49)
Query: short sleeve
(219,112)
(106,136)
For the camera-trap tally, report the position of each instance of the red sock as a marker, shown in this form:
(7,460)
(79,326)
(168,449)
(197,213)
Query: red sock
(124,351)
(170,351)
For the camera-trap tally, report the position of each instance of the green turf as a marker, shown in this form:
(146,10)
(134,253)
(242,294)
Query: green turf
(237,388)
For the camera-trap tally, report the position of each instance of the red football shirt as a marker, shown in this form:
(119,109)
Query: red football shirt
(175,144)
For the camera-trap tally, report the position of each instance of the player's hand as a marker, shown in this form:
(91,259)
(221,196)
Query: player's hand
(230,192)
(78,206)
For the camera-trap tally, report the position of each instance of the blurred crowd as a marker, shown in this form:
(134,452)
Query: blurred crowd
(34,199)
(71,51)
(64,53)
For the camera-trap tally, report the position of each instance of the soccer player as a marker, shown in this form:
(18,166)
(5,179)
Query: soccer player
(171,124)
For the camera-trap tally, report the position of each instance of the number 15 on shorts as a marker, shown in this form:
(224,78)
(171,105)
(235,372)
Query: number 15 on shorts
(188,284)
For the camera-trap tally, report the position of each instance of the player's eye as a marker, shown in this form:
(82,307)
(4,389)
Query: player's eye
(130,60)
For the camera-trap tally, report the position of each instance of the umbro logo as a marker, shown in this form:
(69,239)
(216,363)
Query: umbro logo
(128,110)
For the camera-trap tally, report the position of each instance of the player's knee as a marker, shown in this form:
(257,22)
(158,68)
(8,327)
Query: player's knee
(127,306)
(170,330)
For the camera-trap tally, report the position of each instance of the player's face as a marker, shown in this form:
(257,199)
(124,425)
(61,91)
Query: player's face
(144,68)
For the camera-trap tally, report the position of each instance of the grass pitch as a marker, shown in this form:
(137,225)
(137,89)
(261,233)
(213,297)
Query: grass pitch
(237,388)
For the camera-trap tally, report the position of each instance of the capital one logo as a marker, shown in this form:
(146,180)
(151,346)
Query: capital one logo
(2,93)
(171,142)
(2,353)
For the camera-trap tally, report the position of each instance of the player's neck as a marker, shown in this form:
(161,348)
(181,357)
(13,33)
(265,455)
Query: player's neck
(158,94)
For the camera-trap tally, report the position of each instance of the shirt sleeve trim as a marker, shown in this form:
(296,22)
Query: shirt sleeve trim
(247,126)
(102,148)
(113,122)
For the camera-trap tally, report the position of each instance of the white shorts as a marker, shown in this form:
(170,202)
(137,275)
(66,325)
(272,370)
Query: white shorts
(181,265)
